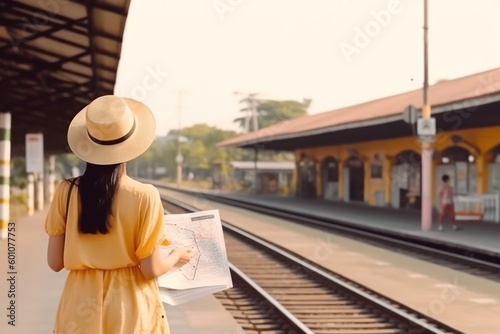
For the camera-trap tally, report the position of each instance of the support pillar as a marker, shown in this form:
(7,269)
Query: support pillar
(319,180)
(426,214)
(255,171)
(387,173)
(179,160)
(294,182)
(39,193)
(31,194)
(5,125)
(482,174)
(427,145)
(367,181)
(341,180)
(50,177)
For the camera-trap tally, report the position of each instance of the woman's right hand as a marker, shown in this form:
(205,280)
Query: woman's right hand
(156,265)
(185,254)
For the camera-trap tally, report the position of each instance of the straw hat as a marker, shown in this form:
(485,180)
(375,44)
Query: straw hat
(111,130)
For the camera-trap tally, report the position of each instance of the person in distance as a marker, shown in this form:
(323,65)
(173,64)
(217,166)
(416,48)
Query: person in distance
(106,228)
(447,207)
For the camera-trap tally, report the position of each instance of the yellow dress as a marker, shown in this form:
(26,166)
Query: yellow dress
(105,291)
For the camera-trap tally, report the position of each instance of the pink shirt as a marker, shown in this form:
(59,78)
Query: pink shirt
(446,194)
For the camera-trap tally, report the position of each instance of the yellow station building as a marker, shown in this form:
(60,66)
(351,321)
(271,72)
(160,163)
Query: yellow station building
(371,153)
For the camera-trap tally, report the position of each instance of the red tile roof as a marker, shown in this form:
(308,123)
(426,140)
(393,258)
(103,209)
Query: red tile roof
(447,93)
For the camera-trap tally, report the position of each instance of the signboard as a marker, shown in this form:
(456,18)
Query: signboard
(410,114)
(34,153)
(426,126)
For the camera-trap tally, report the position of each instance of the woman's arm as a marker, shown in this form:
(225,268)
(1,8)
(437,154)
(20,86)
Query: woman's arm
(154,265)
(55,252)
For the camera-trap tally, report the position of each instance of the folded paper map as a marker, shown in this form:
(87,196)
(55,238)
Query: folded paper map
(208,271)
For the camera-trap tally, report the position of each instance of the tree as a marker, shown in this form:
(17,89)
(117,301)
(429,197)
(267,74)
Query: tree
(271,112)
(199,150)
(18,175)
(66,163)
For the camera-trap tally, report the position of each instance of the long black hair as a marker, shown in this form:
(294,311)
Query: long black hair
(97,188)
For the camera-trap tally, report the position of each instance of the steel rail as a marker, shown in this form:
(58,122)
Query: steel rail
(412,243)
(284,312)
(420,320)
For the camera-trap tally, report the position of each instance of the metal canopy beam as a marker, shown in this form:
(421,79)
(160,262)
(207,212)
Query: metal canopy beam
(52,65)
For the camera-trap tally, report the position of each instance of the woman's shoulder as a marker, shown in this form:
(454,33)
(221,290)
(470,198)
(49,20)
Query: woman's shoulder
(138,187)
(61,191)
(64,184)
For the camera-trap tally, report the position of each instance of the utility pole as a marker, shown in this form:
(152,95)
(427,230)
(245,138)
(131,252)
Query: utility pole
(179,159)
(426,130)
(253,110)
(252,113)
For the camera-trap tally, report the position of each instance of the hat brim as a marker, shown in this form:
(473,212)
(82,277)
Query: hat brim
(140,140)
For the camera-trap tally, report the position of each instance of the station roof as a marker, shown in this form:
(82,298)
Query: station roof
(263,165)
(56,56)
(383,118)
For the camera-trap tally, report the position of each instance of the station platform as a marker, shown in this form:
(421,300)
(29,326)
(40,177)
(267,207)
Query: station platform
(474,235)
(38,289)
(470,303)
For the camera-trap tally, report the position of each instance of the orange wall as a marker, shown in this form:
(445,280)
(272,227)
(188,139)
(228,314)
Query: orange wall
(485,139)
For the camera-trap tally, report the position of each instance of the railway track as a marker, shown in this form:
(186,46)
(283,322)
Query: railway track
(465,260)
(279,292)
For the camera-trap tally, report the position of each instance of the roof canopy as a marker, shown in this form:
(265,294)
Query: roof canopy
(55,57)
(263,165)
(383,118)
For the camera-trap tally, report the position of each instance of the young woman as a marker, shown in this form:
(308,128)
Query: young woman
(105,228)
(446,194)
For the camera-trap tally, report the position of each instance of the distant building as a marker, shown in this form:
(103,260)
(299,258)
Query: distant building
(370,152)
(273,177)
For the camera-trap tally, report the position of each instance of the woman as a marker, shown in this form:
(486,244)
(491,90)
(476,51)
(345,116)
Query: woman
(106,227)
(446,194)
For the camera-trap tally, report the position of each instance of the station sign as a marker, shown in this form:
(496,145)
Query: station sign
(34,153)
(426,127)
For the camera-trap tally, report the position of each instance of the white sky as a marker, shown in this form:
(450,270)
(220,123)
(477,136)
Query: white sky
(291,49)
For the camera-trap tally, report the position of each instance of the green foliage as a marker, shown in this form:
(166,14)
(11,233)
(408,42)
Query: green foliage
(65,164)
(19,199)
(198,147)
(18,176)
(271,112)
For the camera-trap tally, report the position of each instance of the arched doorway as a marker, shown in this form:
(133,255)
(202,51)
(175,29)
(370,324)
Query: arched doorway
(458,163)
(330,173)
(306,186)
(406,182)
(494,170)
(354,178)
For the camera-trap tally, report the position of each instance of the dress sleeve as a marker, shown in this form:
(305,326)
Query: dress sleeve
(54,222)
(151,232)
